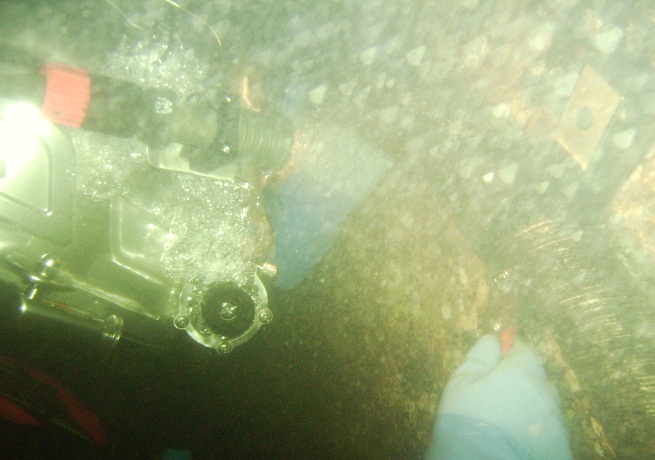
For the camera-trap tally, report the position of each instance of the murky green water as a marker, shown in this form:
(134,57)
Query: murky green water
(501,170)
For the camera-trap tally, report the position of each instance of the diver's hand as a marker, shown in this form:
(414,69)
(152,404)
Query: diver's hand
(510,393)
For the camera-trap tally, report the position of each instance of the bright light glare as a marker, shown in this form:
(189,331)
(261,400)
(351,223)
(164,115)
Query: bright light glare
(27,118)
(21,126)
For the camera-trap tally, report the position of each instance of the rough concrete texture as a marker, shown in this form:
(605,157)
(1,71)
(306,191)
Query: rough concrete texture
(521,191)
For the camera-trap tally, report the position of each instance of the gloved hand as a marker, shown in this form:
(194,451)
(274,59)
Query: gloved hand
(500,407)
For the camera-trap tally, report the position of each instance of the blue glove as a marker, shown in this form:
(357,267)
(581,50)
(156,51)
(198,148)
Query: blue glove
(500,407)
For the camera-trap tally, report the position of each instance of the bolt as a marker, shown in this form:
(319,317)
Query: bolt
(228,311)
(48,265)
(266,316)
(181,322)
(224,348)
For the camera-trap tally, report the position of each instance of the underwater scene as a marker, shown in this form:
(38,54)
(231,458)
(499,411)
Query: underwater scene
(331,229)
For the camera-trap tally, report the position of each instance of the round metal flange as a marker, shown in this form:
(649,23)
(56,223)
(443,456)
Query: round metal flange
(224,316)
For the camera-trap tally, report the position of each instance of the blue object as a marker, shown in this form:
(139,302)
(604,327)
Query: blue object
(458,437)
(495,407)
(332,174)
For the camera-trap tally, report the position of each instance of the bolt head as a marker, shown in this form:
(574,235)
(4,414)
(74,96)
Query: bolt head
(181,322)
(266,316)
(48,265)
(224,348)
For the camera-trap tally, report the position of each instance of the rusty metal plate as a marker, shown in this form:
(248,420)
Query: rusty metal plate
(587,115)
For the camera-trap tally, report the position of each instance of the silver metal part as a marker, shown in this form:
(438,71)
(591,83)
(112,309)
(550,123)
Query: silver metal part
(34,152)
(95,262)
(170,158)
(194,318)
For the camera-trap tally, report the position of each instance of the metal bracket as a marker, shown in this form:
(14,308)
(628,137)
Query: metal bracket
(587,115)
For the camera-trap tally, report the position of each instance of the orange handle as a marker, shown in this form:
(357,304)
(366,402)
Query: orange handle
(67,94)
(507,338)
